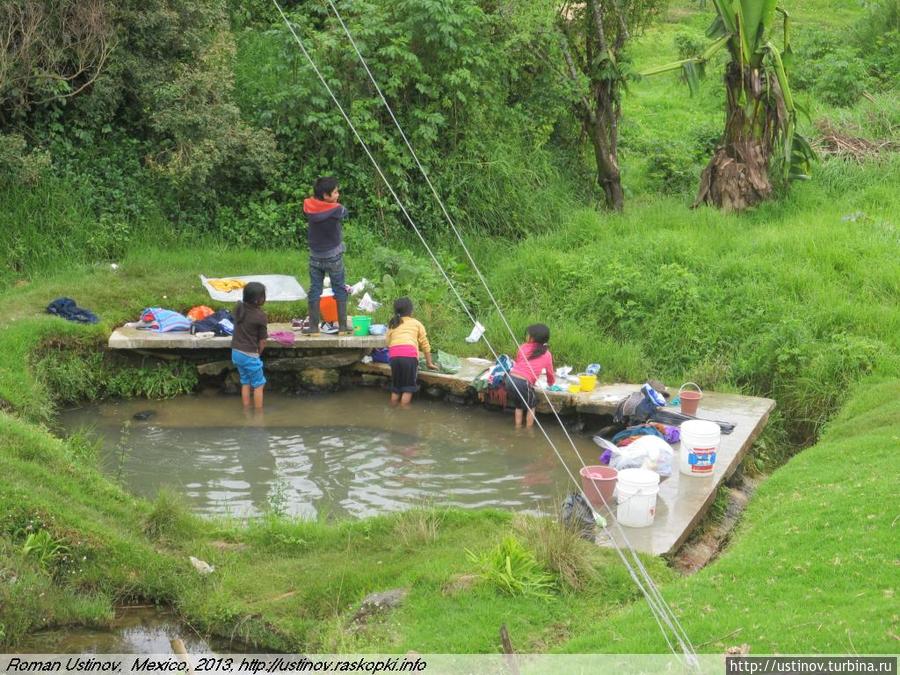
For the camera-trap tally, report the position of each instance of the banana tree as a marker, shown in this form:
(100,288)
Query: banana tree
(760,144)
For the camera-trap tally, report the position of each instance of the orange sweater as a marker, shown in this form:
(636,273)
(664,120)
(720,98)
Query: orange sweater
(406,338)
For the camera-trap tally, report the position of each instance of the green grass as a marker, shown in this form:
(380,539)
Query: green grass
(791,301)
(279,584)
(813,566)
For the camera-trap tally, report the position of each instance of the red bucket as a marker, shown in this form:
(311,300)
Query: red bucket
(598,483)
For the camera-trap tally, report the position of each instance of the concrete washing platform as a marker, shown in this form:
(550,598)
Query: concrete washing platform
(682,501)
(127,337)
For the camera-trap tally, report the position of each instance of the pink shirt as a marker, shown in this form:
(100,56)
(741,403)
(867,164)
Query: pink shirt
(530,370)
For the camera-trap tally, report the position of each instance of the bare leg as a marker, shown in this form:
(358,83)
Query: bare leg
(258,397)
(519,415)
(245,395)
(395,399)
(530,420)
(405,399)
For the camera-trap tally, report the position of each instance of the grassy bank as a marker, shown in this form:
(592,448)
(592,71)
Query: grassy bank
(279,584)
(813,567)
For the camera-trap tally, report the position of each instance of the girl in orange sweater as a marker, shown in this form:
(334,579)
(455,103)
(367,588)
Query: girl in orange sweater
(406,337)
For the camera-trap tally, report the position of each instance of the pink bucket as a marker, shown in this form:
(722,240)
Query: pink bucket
(599,483)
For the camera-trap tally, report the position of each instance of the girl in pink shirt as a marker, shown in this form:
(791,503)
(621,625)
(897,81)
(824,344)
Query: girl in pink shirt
(531,359)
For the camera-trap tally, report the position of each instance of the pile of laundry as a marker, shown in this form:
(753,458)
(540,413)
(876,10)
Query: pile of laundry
(643,446)
(200,321)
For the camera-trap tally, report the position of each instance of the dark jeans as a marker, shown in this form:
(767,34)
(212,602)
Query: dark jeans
(334,268)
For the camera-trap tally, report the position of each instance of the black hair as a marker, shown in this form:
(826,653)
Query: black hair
(540,335)
(402,307)
(254,294)
(324,186)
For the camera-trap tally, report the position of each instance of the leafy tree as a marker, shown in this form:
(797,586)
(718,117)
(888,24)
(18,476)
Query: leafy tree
(760,113)
(594,36)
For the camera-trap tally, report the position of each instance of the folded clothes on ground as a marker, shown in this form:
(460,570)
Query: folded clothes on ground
(67,309)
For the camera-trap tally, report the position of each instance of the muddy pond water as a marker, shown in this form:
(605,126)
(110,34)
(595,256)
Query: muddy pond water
(134,630)
(336,455)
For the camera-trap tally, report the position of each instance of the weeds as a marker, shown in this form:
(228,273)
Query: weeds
(418,527)
(169,520)
(41,547)
(512,569)
(558,549)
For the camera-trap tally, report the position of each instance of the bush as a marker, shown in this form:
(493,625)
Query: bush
(827,66)
(670,168)
(878,37)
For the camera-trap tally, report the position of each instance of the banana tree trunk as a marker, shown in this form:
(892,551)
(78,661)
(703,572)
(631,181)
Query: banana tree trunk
(737,176)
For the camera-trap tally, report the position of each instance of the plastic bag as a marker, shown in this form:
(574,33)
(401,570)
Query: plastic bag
(647,452)
(579,516)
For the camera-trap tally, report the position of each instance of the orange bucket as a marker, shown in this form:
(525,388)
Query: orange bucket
(690,400)
(328,308)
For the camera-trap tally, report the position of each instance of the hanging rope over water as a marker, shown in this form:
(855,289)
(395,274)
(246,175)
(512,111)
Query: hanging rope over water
(663,614)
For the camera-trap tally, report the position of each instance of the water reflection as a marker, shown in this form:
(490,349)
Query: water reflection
(342,454)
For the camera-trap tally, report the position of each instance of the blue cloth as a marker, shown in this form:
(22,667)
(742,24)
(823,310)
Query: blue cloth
(334,268)
(220,323)
(67,309)
(165,320)
(250,368)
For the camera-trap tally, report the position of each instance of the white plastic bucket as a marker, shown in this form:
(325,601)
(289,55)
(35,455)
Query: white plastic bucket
(699,447)
(637,490)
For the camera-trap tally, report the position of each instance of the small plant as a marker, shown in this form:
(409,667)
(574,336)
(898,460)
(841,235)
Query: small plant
(513,569)
(43,548)
(559,549)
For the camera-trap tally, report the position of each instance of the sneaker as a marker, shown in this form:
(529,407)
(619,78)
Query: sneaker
(328,328)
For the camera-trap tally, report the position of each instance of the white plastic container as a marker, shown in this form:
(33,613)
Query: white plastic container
(699,447)
(637,490)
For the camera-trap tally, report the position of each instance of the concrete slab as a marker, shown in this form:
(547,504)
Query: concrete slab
(127,337)
(683,500)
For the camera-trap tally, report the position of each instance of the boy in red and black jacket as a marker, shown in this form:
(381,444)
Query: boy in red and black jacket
(324,216)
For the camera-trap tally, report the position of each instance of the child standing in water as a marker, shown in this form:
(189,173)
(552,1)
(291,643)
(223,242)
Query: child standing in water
(406,337)
(249,341)
(533,357)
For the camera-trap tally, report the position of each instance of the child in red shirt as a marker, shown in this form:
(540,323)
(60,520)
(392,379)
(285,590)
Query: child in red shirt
(533,357)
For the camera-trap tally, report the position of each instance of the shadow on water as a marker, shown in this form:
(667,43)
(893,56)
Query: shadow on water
(345,454)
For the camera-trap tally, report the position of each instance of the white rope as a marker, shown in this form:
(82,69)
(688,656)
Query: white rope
(654,599)
(651,584)
(638,561)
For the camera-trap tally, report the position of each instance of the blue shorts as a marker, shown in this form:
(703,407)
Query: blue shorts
(250,368)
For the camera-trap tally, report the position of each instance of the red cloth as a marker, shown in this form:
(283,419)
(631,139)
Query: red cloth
(313,205)
(530,369)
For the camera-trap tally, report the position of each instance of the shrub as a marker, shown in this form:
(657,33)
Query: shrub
(670,168)
(877,36)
